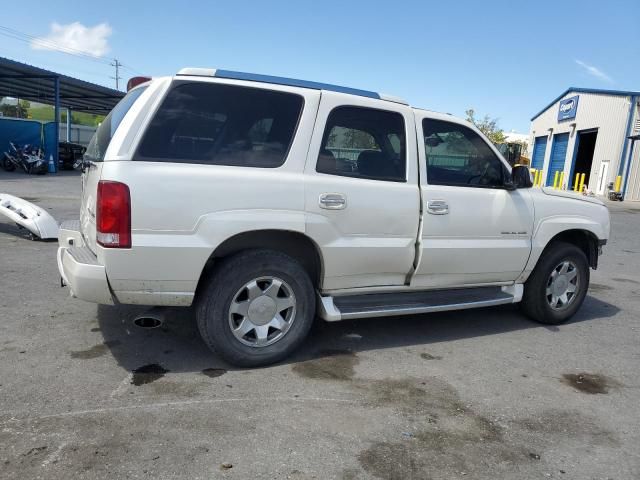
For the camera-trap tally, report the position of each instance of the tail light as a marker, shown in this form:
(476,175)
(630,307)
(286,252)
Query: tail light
(113,215)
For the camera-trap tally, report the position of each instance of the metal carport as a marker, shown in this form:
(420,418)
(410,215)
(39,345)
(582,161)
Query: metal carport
(27,82)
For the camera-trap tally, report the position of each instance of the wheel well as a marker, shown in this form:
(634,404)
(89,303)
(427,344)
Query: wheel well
(583,239)
(295,244)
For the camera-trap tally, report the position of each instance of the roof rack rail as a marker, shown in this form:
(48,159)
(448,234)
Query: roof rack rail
(292,82)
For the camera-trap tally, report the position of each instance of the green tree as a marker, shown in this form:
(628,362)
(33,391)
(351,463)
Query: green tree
(487,125)
(359,139)
(16,111)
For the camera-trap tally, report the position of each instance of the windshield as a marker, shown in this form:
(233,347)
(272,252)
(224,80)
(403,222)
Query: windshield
(100,140)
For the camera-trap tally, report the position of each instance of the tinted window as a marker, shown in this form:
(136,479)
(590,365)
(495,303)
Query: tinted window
(222,125)
(365,143)
(105,131)
(456,155)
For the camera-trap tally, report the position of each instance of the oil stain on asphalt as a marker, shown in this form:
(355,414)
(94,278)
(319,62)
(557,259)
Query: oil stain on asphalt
(147,374)
(441,425)
(589,382)
(428,356)
(95,351)
(626,280)
(214,372)
(332,365)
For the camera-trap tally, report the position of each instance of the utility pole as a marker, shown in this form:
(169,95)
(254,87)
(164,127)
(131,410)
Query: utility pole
(117,78)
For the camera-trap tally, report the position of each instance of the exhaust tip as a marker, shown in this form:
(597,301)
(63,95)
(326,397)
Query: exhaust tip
(147,321)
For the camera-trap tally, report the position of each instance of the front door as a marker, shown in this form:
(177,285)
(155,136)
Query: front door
(474,230)
(362,199)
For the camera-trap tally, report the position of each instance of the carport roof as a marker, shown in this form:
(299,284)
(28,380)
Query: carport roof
(36,84)
(621,93)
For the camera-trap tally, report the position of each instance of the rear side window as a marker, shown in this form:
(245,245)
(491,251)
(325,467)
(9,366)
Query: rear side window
(222,125)
(364,143)
(105,131)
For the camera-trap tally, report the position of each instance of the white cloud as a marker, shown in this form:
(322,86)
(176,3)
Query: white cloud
(595,71)
(74,38)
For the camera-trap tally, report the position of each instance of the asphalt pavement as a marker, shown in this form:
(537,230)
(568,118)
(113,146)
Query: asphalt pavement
(478,394)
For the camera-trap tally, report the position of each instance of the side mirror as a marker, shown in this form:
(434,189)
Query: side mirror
(521,177)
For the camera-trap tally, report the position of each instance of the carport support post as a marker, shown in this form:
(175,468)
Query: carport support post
(68,125)
(56,116)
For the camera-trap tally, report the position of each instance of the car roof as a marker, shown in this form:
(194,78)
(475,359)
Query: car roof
(292,82)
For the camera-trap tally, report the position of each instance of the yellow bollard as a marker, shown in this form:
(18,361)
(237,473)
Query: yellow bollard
(555,180)
(536,179)
(581,182)
(576,183)
(561,182)
(618,183)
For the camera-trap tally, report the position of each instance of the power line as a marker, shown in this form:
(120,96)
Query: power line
(131,69)
(25,37)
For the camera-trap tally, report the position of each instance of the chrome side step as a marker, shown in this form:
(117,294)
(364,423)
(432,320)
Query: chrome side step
(408,303)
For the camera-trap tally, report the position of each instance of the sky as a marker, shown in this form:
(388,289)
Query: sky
(507,59)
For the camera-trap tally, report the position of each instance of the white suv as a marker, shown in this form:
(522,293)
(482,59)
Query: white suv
(264,201)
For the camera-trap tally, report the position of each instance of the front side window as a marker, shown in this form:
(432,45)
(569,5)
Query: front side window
(458,156)
(364,143)
(222,125)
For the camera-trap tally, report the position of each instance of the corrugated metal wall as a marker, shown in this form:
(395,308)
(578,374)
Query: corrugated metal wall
(607,113)
(632,190)
(633,186)
(79,133)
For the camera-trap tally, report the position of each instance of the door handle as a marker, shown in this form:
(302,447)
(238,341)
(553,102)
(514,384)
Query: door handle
(437,207)
(332,201)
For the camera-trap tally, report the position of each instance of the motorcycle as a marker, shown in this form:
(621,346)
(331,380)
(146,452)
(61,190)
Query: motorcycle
(27,158)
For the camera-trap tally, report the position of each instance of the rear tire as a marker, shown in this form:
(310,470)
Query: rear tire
(557,286)
(256,308)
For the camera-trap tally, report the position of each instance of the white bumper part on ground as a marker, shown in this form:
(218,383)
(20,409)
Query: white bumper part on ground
(79,268)
(29,216)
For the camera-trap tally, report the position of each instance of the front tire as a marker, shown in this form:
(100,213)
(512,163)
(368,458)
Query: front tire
(256,308)
(557,286)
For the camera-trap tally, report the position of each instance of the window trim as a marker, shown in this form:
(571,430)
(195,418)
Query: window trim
(179,82)
(505,168)
(359,176)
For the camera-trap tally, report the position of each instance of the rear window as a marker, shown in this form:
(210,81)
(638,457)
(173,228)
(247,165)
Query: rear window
(105,131)
(222,125)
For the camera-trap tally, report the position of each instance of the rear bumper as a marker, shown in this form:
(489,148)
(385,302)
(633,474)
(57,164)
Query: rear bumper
(79,268)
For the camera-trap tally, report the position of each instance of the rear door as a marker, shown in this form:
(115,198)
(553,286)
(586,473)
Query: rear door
(361,194)
(94,158)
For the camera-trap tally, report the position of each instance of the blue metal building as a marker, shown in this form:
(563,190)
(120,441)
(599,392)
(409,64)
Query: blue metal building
(26,82)
(590,131)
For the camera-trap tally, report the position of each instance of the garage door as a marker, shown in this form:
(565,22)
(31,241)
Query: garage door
(558,155)
(539,149)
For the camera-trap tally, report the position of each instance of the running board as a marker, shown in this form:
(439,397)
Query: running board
(338,308)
